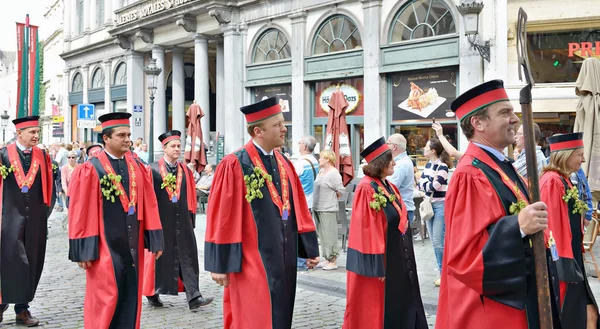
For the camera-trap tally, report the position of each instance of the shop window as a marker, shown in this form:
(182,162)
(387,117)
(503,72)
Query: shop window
(418,135)
(121,74)
(338,33)
(77,84)
(556,57)
(283,93)
(271,46)
(422,19)
(552,123)
(98,78)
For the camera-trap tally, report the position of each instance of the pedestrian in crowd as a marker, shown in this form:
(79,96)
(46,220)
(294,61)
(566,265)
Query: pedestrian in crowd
(67,173)
(452,151)
(307,167)
(61,155)
(519,154)
(113,216)
(137,145)
(328,189)
(257,196)
(27,201)
(404,175)
(204,183)
(488,270)
(434,183)
(382,283)
(176,198)
(143,153)
(583,187)
(565,211)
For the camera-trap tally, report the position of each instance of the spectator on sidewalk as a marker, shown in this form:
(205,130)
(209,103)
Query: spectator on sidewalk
(448,147)
(519,155)
(66,173)
(205,181)
(307,168)
(328,189)
(404,175)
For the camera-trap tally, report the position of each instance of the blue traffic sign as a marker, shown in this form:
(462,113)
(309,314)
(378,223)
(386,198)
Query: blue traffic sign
(86,112)
(137,109)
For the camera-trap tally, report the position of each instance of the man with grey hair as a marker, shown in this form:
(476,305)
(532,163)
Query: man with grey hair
(307,168)
(404,174)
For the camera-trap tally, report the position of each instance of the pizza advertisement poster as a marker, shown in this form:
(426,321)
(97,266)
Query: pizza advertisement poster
(422,95)
(283,93)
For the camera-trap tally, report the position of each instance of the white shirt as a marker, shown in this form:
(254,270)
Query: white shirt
(262,149)
(114,157)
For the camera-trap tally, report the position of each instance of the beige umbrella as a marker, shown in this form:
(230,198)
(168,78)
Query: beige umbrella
(587,120)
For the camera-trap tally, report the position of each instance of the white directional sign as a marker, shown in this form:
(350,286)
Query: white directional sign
(86,116)
(86,124)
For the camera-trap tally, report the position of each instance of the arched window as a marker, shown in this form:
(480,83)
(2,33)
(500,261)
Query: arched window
(338,33)
(98,78)
(121,74)
(422,19)
(271,46)
(77,84)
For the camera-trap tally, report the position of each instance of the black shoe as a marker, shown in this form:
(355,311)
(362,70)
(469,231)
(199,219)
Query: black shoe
(2,310)
(199,301)
(155,301)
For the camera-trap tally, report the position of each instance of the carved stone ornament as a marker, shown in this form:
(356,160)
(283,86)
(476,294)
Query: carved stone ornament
(188,23)
(123,41)
(221,14)
(147,35)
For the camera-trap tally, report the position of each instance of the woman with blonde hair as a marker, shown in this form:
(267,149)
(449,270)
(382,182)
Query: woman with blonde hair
(327,189)
(565,231)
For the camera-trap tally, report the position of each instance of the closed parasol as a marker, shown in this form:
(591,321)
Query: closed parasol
(194,145)
(587,120)
(337,135)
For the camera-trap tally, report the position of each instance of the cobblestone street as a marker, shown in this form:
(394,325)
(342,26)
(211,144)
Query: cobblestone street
(59,298)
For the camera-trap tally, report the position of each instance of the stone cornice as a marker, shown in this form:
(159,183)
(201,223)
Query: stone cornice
(83,50)
(187,22)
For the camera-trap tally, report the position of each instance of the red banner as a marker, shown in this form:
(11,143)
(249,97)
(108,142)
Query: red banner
(33,31)
(20,46)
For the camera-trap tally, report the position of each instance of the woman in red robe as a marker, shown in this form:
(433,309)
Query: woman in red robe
(382,283)
(565,210)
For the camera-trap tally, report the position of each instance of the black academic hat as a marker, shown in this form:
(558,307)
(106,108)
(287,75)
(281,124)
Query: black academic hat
(26,122)
(169,136)
(479,97)
(91,147)
(115,119)
(376,149)
(565,142)
(259,111)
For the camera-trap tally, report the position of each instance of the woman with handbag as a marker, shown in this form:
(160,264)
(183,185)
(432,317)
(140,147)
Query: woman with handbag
(434,182)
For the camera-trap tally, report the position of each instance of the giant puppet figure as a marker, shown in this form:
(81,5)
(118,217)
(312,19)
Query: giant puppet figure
(113,216)
(258,222)
(27,193)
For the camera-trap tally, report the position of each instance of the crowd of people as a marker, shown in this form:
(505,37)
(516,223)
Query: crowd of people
(131,223)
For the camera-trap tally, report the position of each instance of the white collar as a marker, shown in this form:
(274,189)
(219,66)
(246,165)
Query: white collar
(114,157)
(21,147)
(170,163)
(262,149)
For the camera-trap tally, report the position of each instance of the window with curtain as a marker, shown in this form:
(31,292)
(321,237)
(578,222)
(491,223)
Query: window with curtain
(338,33)
(98,78)
(121,74)
(271,46)
(77,84)
(422,19)
(100,13)
(79,13)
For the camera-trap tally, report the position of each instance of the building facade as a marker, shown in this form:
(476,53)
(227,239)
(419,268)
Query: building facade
(399,63)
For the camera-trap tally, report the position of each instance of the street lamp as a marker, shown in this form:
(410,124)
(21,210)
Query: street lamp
(152,72)
(4,123)
(470,12)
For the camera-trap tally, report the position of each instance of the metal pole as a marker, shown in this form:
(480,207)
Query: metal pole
(151,141)
(3,135)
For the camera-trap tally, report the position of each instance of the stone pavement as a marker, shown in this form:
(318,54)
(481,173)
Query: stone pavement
(59,299)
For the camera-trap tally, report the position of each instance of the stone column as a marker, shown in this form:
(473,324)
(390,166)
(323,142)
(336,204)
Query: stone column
(88,6)
(108,13)
(300,112)
(375,117)
(201,83)
(66,107)
(220,112)
(160,101)
(85,74)
(233,67)
(67,22)
(136,91)
(74,19)
(107,100)
(178,91)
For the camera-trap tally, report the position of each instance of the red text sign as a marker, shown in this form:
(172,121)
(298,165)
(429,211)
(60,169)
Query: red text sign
(585,47)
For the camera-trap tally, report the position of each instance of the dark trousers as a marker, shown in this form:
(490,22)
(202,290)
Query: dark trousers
(18,307)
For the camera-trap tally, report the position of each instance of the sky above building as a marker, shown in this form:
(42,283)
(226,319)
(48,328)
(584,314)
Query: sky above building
(16,12)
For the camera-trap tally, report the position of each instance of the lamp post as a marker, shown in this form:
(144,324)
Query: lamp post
(4,123)
(152,72)
(51,115)
(470,12)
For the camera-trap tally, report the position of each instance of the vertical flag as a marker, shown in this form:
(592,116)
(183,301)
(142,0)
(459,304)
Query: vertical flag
(34,72)
(22,71)
(28,77)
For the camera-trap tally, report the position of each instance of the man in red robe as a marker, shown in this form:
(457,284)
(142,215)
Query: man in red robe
(176,194)
(488,277)
(113,215)
(258,223)
(27,199)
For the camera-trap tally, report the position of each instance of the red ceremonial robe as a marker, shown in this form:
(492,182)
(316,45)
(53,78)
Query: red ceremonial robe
(379,248)
(488,273)
(254,245)
(567,230)
(102,232)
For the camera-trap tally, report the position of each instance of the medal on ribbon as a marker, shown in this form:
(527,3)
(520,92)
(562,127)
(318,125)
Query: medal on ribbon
(171,183)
